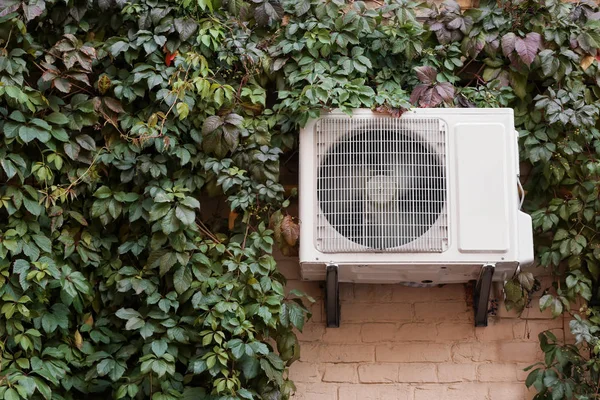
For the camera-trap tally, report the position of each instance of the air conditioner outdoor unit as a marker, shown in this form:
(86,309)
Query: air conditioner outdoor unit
(429,198)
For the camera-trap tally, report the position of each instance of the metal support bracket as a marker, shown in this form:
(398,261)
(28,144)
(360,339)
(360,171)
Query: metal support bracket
(332,297)
(481,297)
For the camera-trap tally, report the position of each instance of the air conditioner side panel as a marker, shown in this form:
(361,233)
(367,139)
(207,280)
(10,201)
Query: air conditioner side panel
(483,223)
(307,191)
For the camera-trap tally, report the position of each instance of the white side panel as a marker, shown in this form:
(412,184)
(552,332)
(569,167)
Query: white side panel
(307,191)
(481,160)
(525,233)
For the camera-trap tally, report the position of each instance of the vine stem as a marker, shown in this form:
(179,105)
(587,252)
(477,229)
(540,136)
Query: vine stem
(87,171)
(245,236)
(204,229)
(162,124)
(8,40)
(465,66)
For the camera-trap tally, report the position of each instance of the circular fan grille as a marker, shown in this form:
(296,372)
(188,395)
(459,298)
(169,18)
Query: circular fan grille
(381,189)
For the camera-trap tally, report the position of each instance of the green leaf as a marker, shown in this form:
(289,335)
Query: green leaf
(190,202)
(296,315)
(186,215)
(49,322)
(273,374)
(519,84)
(105,366)
(134,324)
(78,217)
(117,372)
(103,192)
(32,206)
(118,47)
(284,315)
(558,391)
(250,367)
(160,367)
(127,313)
(185,27)
(9,168)
(159,210)
(11,129)
(546,301)
(30,133)
(211,123)
(147,330)
(237,348)
(159,347)
(170,222)
(182,279)
(245,394)
(557,308)
(21,267)
(166,262)
(43,243)
(57,118)
(23,363)
(561,234)
(18,116)
(182,110)
(72,150)
(11,394)
(86,142)
(43,388)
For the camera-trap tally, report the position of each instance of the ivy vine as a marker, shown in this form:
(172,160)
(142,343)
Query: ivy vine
(124,123)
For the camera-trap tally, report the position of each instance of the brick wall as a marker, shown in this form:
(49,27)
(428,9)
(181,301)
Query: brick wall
(401,343)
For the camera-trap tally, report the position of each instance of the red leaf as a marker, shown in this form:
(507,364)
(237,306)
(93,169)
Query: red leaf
(436,26)
(445,90)
(33,9)
(456,23)
(475,45)
(49,75)
(231,220)
(169,57)
(426,74)
(7,7)
(417,92)
(113,104)
(508,43)
(62,84)
(430,98)
(528,47)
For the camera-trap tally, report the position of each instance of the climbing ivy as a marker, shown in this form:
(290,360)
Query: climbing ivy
(118,277)
(140,201)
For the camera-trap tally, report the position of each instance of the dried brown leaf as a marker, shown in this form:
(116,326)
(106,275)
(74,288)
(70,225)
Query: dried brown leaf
(290,231)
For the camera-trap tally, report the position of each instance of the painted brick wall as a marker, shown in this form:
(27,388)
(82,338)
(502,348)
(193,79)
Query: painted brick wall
(403,343)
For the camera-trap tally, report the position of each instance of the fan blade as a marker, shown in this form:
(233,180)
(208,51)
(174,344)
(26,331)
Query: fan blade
(384,225)
(381,189)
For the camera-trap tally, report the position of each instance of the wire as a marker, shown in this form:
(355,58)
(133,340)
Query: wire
(522,196)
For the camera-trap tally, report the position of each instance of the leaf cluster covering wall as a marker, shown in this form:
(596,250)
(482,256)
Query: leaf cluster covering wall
(119,119)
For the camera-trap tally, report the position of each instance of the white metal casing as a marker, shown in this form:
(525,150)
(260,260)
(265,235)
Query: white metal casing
(484,224)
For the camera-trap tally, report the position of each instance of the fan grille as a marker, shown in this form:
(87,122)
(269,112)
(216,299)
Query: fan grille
(381,185)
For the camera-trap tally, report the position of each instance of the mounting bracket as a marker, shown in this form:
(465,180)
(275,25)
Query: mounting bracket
(332,296)
(481,297)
